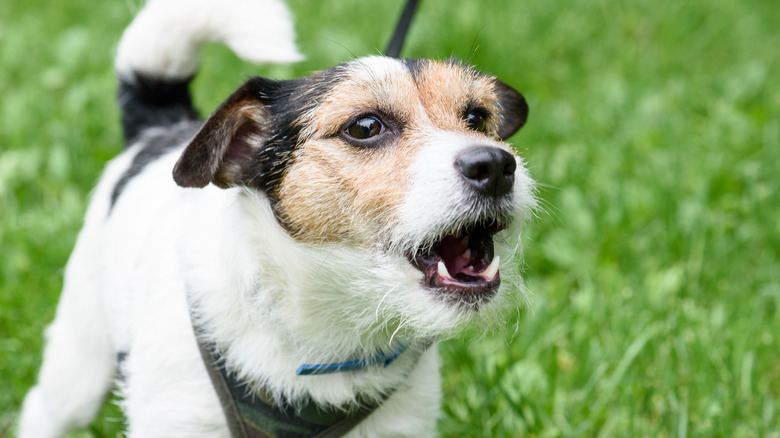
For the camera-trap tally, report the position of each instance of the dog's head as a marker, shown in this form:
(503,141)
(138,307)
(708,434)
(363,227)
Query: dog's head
(401,161)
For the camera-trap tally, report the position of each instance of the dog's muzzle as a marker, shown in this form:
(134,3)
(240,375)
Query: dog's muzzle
(461,266)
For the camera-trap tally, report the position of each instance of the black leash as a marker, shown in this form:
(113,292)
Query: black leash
(401,29)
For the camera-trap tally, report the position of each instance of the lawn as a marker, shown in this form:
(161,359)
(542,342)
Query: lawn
(654,262)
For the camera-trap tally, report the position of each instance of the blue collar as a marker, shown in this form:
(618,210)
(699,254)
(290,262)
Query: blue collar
(350,365)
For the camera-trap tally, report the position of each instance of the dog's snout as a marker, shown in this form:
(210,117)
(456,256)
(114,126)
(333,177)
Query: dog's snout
(489,170)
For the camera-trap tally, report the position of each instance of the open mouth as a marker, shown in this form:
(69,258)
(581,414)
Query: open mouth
(462,266)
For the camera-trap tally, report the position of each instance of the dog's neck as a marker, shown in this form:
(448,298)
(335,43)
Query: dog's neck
(247,319)
(255,413)
(298,377)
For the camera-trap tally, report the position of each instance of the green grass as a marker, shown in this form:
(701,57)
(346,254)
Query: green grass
(655,263)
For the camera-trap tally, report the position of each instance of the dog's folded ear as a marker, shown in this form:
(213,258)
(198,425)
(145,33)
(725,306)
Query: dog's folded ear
(227,141)
(514,110)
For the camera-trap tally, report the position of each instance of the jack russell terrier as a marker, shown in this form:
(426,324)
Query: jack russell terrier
(318,237)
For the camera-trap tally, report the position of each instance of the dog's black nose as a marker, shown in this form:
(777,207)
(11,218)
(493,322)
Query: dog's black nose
(490,170)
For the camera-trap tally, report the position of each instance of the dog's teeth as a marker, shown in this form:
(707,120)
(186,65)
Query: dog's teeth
(466,255)
(443,272)
(492,270)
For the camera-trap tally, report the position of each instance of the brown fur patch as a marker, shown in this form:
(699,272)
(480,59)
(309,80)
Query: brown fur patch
(448,89)
(337,192)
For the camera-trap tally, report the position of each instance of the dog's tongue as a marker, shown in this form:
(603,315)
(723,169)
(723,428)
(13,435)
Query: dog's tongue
(461,262)
(453,252)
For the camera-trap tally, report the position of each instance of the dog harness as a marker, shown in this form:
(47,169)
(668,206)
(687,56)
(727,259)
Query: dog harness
(255,414)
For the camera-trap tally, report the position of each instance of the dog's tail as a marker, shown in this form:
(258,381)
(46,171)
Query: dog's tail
(160,51)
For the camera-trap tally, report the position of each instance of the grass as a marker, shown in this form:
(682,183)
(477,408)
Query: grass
(654,265)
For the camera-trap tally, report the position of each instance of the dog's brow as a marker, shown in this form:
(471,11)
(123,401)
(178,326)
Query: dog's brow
(369,85)
(375,68)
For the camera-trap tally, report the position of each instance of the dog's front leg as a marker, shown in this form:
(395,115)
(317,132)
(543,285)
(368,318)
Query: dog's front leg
(79,359)
(167,392)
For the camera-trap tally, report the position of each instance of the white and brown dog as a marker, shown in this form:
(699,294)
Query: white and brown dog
(341,222)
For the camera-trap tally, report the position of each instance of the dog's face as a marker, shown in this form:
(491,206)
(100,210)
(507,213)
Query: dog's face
(400,160)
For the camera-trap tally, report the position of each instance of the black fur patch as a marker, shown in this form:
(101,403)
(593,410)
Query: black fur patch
(415,67)
(147,102)
(155,144)
(287,101)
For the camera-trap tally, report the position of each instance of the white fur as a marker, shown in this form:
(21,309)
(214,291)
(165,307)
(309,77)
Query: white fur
(269,302)
(377,68)
(164,39)
(255,288)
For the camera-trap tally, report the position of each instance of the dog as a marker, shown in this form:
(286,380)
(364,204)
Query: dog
(319,235)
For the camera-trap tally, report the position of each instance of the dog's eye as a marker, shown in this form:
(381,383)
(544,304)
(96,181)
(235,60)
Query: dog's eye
(365,127)
(477,120)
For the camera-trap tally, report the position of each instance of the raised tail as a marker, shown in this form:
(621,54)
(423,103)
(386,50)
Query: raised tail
(159,52)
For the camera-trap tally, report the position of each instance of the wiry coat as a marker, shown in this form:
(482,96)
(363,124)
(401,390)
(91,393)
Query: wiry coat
(288,238)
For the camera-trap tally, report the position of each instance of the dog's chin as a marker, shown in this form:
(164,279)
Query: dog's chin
(382,298)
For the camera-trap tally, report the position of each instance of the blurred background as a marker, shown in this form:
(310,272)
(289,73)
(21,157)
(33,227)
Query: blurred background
(654,262)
